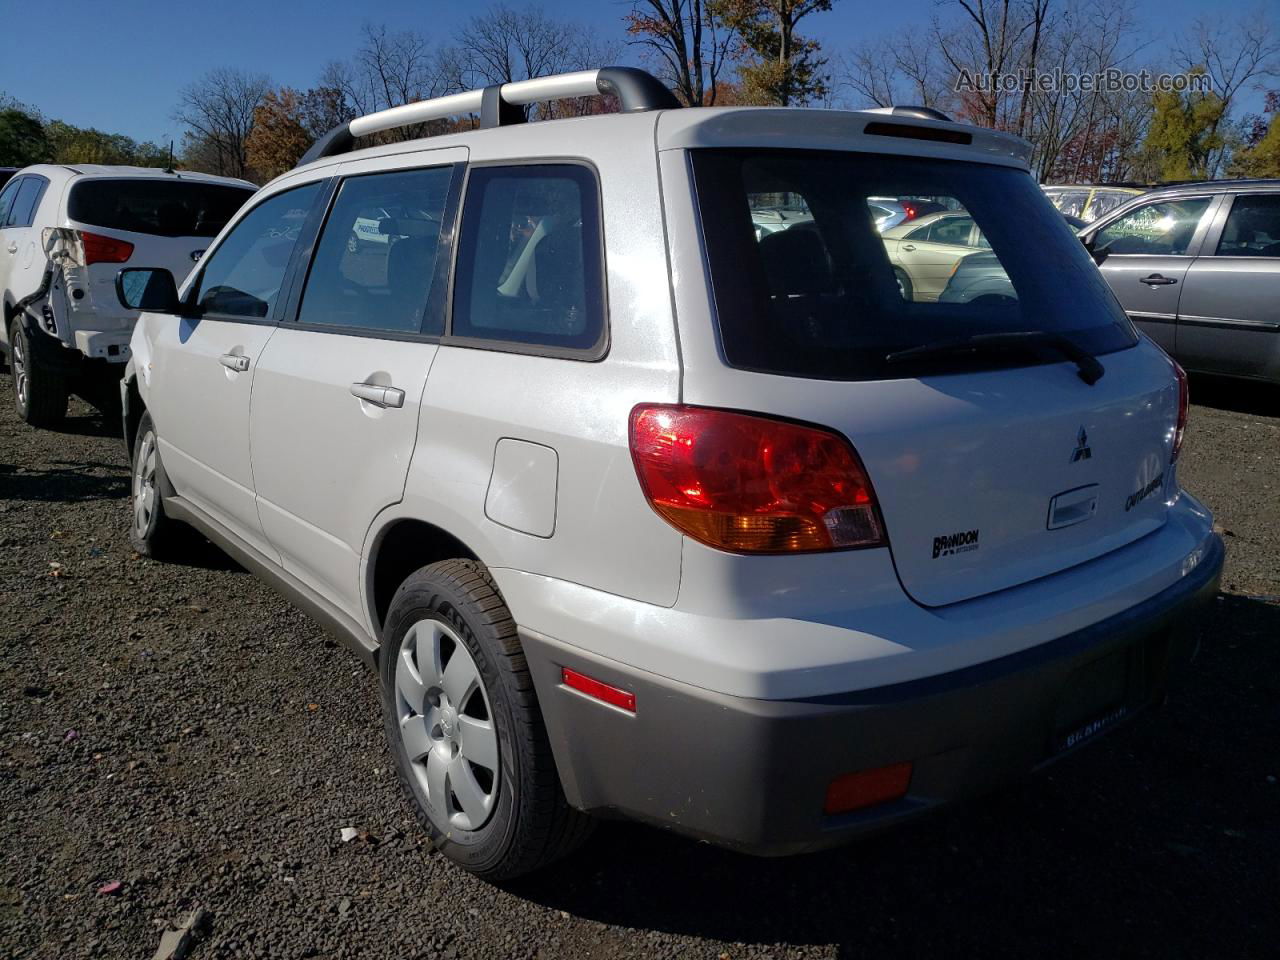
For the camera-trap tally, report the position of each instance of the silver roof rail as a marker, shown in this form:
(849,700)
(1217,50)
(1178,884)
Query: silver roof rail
(502,104)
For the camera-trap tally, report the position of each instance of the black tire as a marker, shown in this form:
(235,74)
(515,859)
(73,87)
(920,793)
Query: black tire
(529,824)
(39,394)
(156,535)
(904,284)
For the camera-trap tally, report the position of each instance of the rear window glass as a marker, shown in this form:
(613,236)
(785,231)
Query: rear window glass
(811,280)
(164,208)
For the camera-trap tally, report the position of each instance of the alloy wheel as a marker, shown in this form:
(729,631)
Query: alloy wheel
(20,379)
(446,725)
(144,486)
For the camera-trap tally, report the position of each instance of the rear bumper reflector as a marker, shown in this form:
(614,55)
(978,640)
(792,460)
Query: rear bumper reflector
(598,690)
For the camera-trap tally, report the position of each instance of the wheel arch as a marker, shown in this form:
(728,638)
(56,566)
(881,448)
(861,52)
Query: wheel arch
(133,408)
(8,313)
(401,546)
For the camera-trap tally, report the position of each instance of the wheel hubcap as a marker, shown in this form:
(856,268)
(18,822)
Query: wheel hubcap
(446,725)
(144,485)
(20,371)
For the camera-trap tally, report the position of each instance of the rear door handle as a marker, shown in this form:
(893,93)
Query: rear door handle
(13,247)
(379,396)
(1155,280)
(234,361)
(908,247)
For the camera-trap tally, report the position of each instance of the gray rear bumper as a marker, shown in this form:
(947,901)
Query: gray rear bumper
(753,774)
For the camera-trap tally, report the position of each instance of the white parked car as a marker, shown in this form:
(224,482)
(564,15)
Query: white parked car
(641,513)
(65,231)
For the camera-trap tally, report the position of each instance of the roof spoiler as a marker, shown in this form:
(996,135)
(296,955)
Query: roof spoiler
(501,105)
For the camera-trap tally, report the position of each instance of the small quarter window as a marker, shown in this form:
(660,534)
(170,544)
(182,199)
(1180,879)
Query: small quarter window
(376,260)
(530,269)
(244,274)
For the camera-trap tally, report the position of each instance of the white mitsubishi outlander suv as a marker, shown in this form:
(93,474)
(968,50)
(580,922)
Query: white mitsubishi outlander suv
(642,512)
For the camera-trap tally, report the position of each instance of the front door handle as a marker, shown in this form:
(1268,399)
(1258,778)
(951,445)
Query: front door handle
(13,247)
(1155,280)
(378,395)
(234,361)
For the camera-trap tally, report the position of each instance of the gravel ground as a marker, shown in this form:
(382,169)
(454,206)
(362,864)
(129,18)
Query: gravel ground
(183,733)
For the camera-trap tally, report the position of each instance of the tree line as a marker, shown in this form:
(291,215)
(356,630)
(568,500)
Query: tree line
(977,60)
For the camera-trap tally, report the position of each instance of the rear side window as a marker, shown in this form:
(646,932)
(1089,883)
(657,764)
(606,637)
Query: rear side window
(163,208)
(375,264)
(1252,228)
(243,276)
(1161,229)
(832,295)
(23,209)
(530,267)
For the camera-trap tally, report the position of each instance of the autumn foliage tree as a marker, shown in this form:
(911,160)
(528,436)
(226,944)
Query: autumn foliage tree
(1184,136)
(278,138)
(781,67)
(690,43)
(1260,153)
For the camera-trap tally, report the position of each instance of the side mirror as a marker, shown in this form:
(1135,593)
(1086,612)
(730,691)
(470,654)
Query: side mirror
(147,288)
(1098,255)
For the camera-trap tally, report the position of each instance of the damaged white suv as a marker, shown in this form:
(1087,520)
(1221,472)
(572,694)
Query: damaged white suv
(65,231)
(643,511)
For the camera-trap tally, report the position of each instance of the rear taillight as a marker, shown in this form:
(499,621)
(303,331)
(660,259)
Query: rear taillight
(100,249)
(910,210)
(1184,399)
(751,484)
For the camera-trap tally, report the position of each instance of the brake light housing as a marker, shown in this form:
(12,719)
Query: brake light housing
(1184,402)
(752,484)
(100,249)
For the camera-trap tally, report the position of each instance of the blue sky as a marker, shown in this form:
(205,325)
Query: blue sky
(123,62)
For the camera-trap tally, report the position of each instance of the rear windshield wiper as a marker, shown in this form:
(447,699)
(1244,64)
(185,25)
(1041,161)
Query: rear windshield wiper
(1088,367)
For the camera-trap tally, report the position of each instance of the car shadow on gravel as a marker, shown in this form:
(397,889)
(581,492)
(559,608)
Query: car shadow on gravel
(203,554)
(92,426)
(1240,396)
(64,482)
(1083,859)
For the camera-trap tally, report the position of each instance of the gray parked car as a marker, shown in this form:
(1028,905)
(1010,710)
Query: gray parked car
(1197,268)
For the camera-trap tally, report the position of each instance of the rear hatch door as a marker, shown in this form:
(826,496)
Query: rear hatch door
(992,467)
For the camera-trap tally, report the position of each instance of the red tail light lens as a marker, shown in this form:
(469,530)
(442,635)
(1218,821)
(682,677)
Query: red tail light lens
(910,210)
(750,484)
(1184,400)
(100,249)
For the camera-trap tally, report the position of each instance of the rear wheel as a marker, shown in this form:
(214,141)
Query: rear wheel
(905,289)
(39,394)
(464,727)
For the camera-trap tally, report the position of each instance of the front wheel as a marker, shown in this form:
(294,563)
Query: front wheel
(152,532)
(464,727)
(39,394)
